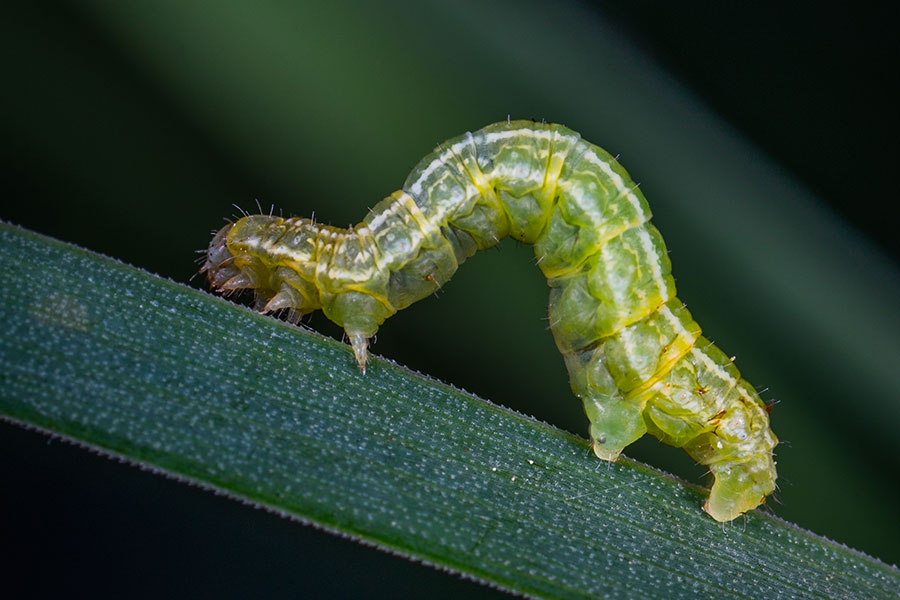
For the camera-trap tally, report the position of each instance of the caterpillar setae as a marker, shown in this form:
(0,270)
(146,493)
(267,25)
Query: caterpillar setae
(634,354)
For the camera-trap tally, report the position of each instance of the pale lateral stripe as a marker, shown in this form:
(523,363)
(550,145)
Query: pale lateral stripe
(652,258)
(617,180)
(382,216)
(674,321)
(298,256)
(416,188)
(713,366)
(607,259)
(628,340)
(676,324)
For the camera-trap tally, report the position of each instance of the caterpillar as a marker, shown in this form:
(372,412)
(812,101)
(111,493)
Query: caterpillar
(635,356)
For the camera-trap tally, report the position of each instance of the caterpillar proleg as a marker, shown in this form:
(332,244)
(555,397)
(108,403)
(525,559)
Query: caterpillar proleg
(635,356)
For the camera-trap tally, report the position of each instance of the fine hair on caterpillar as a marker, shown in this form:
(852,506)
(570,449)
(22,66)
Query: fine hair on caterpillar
(635,356)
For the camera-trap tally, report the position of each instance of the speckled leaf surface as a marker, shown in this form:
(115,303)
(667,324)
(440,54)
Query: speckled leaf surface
(201,389)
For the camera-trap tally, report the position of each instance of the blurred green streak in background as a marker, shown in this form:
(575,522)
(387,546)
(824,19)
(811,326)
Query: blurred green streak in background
(132,128)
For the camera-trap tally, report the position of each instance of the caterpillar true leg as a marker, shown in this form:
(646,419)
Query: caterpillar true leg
(635,355)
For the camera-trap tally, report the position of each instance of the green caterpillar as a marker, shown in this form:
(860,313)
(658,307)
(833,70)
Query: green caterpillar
(634,354)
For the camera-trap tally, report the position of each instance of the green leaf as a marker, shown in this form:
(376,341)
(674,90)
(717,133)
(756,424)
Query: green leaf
(205,390)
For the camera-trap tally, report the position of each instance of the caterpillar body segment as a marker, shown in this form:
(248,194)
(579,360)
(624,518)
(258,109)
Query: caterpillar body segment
(635,356)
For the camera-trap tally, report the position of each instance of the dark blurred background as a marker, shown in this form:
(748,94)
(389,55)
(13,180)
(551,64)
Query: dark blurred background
(763,136)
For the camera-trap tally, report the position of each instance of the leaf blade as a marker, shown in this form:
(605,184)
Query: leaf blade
(208,391)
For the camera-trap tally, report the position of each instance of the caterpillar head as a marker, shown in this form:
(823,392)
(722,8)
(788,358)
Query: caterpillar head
(219,266)
(230,267)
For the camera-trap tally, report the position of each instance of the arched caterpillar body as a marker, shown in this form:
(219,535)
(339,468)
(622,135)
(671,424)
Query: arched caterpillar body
(634,354)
